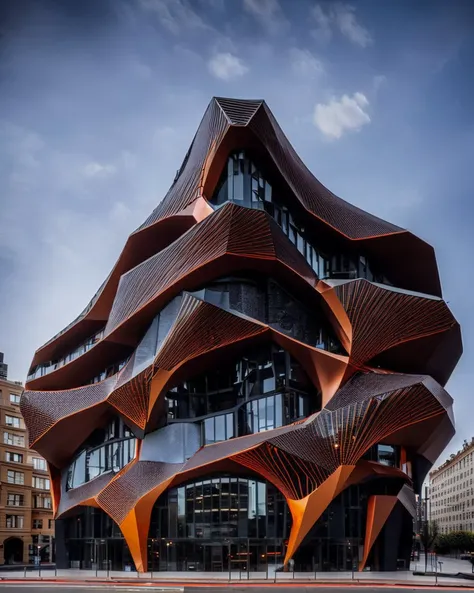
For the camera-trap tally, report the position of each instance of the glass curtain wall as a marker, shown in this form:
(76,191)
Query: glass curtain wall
(262,391)
(220,523)
(228,523)
(94,542)
(243,183)
(265,300)
(108,449)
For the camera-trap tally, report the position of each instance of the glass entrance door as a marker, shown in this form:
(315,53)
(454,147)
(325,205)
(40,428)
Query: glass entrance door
(341,556)
(213,557)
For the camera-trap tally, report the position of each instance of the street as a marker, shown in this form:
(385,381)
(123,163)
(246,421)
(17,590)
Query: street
(90,588)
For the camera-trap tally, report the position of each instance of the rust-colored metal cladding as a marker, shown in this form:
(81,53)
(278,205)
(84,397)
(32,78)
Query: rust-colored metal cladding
(262,362)
(306,511)
(379,508)
(139,247)
(384,318)
(201,329)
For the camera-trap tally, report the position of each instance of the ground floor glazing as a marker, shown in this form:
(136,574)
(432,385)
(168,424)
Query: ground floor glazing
(241,555)
(232,523)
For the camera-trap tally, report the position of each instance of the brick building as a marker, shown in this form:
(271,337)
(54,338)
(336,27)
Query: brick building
(26,516)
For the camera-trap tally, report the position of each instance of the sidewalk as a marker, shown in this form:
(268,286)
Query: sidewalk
(176,580)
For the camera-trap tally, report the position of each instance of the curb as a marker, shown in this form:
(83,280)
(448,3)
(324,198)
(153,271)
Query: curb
(180,585)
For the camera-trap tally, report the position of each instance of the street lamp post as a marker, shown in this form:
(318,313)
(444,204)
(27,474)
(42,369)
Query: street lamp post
(39,556)
(426,516)
(152,556)
(351,554)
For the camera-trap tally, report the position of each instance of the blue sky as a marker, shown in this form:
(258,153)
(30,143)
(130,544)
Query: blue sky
(100,99)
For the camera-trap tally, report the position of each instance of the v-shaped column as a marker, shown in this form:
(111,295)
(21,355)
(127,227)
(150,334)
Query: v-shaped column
(379,508)
(306,511)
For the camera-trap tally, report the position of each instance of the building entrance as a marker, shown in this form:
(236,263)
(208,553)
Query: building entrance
(244,555)
(13,550)
(324,555)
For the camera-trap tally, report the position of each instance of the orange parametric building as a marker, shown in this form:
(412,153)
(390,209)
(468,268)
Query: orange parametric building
(259,379)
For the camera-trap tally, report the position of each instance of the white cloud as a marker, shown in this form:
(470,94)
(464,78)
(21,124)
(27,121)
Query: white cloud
(174,15)
(346,21)
(343,18)
(226,66)
(338,116)
(323,30)
(304,63)
(95,169)
(268,12)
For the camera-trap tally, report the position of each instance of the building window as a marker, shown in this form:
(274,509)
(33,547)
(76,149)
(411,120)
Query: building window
(41,502)
(39,463)
(14,521)
(109,457)
(15,398)
(15,500)
(37,523)
(13,457)
(220,507)
(242,183)
(50,523)
(387,455)
(218,428)
(12,421)
(14,477)
(267,371)
(40,483)
(13,439)
(263,299)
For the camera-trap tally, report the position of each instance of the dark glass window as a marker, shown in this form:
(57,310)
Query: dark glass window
(265,300)
(385,454)
(243,183)
(219,508)
(109,449)
(261,391)
(218,428)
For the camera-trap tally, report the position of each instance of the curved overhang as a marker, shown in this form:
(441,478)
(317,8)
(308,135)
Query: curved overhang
(226,126)
(140,245)
(232,239)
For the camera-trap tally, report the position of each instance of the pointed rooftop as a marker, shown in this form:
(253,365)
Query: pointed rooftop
(239,112)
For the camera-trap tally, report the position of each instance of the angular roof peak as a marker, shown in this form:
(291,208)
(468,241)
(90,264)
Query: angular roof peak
(239,112)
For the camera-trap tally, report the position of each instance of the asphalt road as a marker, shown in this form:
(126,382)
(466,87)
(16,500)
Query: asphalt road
(37,588)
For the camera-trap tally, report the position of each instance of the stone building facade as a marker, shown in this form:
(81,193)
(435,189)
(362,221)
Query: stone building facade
(26,516)
(452,491)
